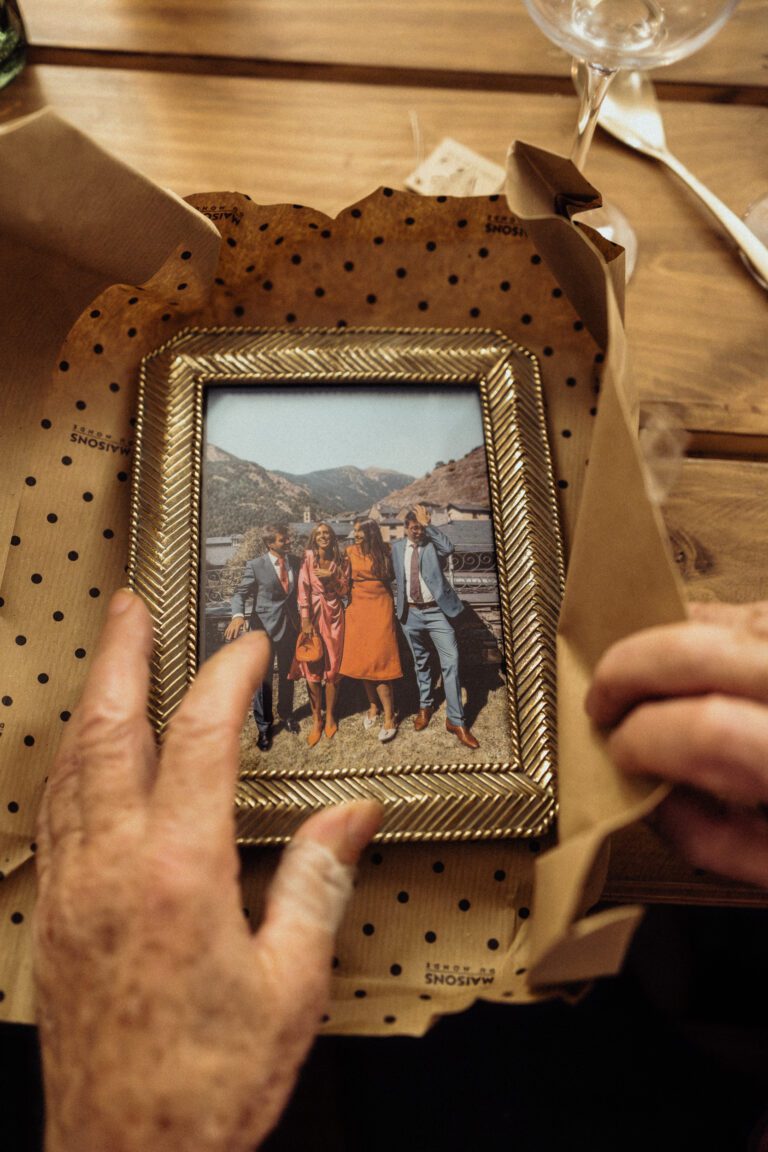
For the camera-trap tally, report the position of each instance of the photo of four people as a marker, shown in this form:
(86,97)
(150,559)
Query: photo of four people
(350,568)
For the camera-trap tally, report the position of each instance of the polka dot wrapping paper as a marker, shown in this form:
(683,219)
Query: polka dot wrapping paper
(430,927)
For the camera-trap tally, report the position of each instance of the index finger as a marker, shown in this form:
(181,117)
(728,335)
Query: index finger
(686,659)
(196,780)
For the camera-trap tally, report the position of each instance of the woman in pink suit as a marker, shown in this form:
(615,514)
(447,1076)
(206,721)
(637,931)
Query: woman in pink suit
(324,579)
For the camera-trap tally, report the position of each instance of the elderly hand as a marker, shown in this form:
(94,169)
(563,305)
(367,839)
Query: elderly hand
(165,1024)
(688,703)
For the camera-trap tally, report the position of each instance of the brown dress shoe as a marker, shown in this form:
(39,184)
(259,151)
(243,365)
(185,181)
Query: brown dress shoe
(423,717)
(462,734)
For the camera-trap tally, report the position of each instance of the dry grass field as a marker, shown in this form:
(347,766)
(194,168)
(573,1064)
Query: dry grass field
(353,746)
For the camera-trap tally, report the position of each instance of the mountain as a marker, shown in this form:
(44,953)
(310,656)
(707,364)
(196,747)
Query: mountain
(348,489)
(457,481)
(240,494)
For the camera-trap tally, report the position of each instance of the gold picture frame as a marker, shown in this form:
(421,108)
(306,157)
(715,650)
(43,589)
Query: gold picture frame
(509,797)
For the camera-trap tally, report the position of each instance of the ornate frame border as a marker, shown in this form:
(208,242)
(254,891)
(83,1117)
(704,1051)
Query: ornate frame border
(422,801)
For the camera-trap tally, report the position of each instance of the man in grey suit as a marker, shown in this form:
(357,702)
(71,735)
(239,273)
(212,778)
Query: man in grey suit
(270,581)
(426,605)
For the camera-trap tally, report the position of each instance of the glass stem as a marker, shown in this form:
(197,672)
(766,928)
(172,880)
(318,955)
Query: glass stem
(592,84)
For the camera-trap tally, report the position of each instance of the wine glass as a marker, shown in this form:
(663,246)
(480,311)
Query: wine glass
(604,36)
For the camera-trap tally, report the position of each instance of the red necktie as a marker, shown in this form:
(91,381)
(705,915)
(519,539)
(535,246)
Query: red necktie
(416,595)
(282,573)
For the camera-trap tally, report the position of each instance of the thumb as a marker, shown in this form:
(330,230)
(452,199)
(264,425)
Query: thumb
(313,884)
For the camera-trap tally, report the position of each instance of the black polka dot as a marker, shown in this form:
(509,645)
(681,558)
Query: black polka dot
(524,913)
(423,305)
(425,995)
(370,298)
(263,227)
(45,423)
(290,317)
(232,243)
(17,918)
(319,292)
(239,310)
(33,847)
(526,318)
(335,962)
(453,278)
(132,331)
(535,259)
(403,897)
(566,433)
(87,496)
(81,405)
(520,971)
(326,233)
(562,483)
(52,518)
(43,678)
(122,476)
(186,255)
(267,285)
(94,593)
(295,259)
(66,461)
(108,534)
(251,268)
(29,741)
(464,905)
(475,312)
(356,213)
(7,701)
(505,286)
(73,555)
(390,1019)
(95,314)
(324,1019)
(166,316)
(571,382)
(593,411)
(430,246)
(64,716)
(368,929)
(36,578)
(401,273)
(114,387)
(492,944)
(430,937)
(30,481)
(599,358)
(15,541)
(482,253)
(461,223)
(387,192)
(349,266)
(58,615)
(438,866)
(557,293)
(341,324)
(549,351)
(133,300)
(63,366)
(98,349)
(13,806)
(360,993)
(79,653)
(378,239)
(21,641)
(395,969)
(499,874)
(409,220)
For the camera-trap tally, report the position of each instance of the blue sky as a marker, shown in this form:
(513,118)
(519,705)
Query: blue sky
(302,430)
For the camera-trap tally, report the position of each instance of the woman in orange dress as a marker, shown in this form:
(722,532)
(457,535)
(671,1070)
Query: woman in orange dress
(370,636)
(322,586)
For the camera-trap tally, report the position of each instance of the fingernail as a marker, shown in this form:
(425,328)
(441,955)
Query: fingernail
(363,822)
(121,601)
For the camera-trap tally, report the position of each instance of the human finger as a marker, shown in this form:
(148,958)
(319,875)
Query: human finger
(715,744)
(194,791)
(684,659)
(727,840)
(310,892)
(101,772)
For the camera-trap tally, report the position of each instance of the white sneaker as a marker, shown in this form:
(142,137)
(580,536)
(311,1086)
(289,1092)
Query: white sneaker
(370,721)
(387,734)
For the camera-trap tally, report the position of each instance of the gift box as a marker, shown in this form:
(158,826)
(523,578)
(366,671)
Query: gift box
(99,268)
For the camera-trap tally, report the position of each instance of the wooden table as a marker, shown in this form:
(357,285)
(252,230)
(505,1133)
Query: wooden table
(291,101)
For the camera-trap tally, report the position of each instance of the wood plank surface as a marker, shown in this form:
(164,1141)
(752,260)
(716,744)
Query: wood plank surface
(484,36)
(696,321)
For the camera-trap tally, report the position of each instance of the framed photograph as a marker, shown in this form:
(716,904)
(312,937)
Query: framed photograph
(381,504)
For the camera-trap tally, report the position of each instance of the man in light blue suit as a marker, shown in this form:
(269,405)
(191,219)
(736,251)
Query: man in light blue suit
(270,582)
(426,605)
